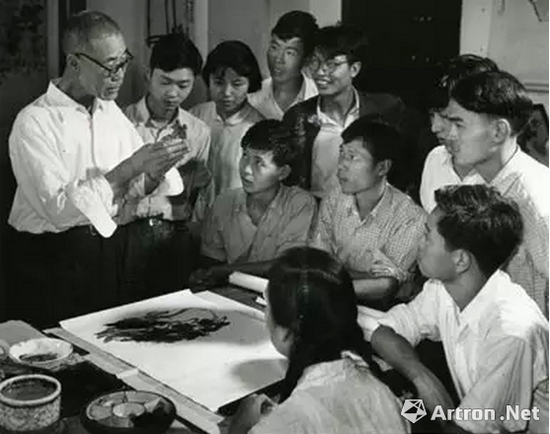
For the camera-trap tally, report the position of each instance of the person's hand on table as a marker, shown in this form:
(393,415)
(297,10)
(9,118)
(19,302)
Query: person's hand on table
(250,411)
(208,278)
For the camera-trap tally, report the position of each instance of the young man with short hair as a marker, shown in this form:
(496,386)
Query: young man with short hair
(494,336)
(164,239)
(439,167)
(249,227)
(292,41)
(369,225)
(486,113)
(336,61)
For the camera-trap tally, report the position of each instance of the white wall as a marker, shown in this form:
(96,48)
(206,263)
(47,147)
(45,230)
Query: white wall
(509,32)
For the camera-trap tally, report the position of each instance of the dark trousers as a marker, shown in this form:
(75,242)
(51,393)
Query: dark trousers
(52,277)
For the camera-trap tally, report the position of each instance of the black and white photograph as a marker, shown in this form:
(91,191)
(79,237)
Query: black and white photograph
(274,216)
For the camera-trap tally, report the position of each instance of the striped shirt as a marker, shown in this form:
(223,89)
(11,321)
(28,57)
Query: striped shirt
(393,229)
(525,181)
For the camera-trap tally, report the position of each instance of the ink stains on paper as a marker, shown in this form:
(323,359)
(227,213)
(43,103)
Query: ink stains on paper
(164,326)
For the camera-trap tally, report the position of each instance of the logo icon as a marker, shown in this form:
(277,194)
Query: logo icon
(413,410)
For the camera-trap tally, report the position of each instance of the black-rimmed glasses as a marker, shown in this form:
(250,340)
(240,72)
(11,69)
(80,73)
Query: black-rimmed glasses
(315,63)
(111,71)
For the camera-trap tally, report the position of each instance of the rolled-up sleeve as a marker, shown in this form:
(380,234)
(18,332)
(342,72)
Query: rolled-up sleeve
(47,186)
(416,320)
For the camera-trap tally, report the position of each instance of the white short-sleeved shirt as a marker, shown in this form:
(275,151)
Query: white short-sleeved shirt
(439,172)
(198,136)
(225,150)
(264,101)
(496,348)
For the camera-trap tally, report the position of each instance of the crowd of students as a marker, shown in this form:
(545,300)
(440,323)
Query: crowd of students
(304,179)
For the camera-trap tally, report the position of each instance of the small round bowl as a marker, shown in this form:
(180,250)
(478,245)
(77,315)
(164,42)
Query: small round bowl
(41,352)
(129,412)
(30,404)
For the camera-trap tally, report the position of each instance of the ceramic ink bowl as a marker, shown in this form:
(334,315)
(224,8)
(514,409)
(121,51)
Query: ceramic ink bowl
(129,412)
(30,404)
(41,352)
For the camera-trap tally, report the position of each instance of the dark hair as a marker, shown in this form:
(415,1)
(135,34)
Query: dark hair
(382,140)
(175,51)
(348,40)
(297,24)
(85,26)
(455,70)
(239,57)
(272,135)
(478,219)
(312,295)
(495,94)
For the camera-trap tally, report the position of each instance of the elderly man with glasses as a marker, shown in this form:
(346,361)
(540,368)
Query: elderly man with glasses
(336,61)
(77,160)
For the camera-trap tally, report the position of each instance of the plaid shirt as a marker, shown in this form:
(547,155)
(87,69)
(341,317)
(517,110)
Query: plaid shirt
(525,181)
(393,229)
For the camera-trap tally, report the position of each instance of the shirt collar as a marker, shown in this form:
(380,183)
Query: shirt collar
(241,200)
(475,310)
(353,112)
(380,210)
(57,97)
(236,118)
(143,115)
(510,172)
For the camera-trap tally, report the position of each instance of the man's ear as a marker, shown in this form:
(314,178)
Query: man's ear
(284,172)
(501,130)
(147,73)
(355,68)
(384,167)
(462,260)
(72,62)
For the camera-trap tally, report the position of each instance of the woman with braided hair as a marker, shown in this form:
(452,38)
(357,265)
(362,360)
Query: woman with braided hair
(331,384)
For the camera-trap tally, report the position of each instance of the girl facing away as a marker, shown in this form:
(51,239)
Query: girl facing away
(331,384)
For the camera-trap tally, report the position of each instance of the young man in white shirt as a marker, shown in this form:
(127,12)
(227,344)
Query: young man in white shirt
(494,336)
(440,168)
(164,239)
(292,41)
(486,113)
(77,160)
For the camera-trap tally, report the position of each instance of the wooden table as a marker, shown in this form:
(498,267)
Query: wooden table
(194,417)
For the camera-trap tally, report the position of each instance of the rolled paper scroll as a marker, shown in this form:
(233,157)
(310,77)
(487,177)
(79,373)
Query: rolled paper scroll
(248,281)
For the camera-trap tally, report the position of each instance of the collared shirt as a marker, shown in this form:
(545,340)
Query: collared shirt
(264,100)
(438,172)
(496,347)
(393,229)
(198,136)
(230,236)
(226,151)
(60,153)
(525,181)
(326,149)
(341,396)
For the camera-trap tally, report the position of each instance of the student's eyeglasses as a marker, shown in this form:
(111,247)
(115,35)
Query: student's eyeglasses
(330,66)
(110,71)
